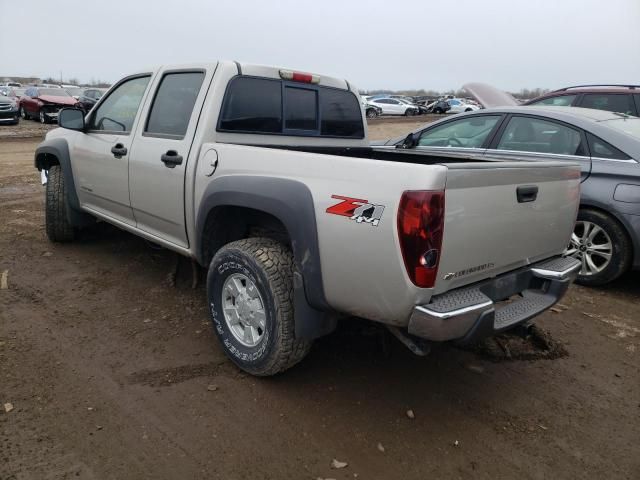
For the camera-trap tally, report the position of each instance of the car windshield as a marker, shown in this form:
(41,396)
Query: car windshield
(56,92)
(629,125)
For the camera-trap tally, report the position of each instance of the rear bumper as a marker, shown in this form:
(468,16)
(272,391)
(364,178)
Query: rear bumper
(488,307)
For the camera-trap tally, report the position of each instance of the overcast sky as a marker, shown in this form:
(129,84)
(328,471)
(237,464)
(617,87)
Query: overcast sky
(399,44)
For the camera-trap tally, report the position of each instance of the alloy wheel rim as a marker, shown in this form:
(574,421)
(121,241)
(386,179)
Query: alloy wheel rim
(41,117)
(592,246)
(243,309)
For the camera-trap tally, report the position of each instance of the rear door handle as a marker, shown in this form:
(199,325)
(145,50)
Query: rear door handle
(119,150)
(527,193)
(171,159)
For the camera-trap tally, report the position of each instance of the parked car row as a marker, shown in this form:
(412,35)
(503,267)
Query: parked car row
(42,103)
(408,106)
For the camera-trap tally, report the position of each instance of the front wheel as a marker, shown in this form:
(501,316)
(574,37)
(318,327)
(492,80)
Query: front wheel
(42,117)
(250,295)
(371,113)
(603,247)
(23,113)
(57,224)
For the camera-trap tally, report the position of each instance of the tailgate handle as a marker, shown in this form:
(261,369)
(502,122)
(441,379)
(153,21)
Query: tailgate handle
(527,193)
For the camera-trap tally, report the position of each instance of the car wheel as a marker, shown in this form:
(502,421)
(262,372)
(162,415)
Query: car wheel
(56,222)
(23,113)
(371,113)
(42,116)
(603,247)
(469,110)
(250,294)
(409,112)
(438,111)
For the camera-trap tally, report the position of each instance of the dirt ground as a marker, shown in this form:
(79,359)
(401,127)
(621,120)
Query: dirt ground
(112,373)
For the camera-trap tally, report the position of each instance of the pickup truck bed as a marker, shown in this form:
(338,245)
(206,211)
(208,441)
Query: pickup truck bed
(265,177)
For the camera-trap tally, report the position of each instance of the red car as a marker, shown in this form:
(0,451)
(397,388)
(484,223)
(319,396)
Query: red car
(44,103)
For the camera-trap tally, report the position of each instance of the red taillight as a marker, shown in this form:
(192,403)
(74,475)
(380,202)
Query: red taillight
(420,230)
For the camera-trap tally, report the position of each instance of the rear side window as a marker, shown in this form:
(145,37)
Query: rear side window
(621,103)
(561,101)
(529,134)
(173,104)
(269,106)
(601,149)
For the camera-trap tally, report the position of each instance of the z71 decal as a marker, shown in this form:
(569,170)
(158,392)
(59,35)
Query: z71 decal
(357,209)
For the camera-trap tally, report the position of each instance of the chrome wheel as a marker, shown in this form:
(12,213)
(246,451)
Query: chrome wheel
(592,246)
(243,309)
(23,114)
(43,119)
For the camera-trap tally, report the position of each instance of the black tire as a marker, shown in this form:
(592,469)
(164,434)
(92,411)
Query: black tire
(622,251)
(57,224)
(409,112)
(371,113)
(42,118)
(438,111)
(23,113)
(269,265)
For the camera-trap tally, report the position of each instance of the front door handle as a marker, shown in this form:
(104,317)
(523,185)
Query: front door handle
(119,150)
(527,193)
(171,159)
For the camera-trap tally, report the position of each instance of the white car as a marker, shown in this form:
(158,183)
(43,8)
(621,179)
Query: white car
(459,105)
(394,106)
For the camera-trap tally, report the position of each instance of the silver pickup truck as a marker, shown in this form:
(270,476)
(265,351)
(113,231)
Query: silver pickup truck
(266,177)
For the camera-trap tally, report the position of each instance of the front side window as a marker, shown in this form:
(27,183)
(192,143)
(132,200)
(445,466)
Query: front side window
(621,103)
(470,132)
(173,104)
(561,101)
(528,134)
(118,112)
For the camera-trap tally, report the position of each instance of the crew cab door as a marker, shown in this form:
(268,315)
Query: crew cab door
(101,155)
(162,146)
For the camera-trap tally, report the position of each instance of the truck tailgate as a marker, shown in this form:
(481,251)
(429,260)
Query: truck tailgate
(502,216)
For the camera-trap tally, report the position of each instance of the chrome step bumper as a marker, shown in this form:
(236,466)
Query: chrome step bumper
(470,313)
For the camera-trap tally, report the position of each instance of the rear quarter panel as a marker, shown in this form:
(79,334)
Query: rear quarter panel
(362,267)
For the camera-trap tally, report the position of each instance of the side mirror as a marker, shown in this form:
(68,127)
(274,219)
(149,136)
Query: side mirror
(410,141)
(72,119)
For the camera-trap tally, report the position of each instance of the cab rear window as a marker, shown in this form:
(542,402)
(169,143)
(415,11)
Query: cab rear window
(270,106)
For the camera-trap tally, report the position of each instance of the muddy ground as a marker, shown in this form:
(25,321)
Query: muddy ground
(112,373)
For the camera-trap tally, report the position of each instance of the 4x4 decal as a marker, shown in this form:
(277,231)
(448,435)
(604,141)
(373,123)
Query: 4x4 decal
(357,209)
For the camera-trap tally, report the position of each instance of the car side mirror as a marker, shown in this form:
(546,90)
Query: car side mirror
(410,141)
(72,119)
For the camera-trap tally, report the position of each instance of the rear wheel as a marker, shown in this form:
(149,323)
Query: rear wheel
(57,224)
(603,247)
(250,294)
